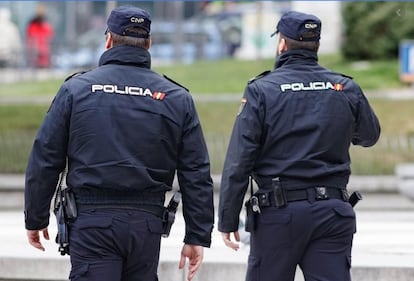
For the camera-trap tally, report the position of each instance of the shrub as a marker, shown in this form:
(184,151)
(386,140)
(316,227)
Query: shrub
(374,30)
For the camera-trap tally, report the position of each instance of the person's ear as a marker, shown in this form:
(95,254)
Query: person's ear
(149,43)
(282,47)
(109,41)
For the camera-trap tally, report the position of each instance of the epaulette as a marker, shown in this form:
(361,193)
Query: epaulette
(176,83)
(347,76)
(342,74)
(75,74)
(263,74)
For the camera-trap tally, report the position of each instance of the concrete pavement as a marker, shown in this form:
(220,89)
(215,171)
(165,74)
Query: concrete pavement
(383,246)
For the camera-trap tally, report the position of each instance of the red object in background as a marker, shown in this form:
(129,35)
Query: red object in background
(39,34)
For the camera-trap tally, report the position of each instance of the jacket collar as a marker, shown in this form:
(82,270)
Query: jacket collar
(302,56)
(126,55)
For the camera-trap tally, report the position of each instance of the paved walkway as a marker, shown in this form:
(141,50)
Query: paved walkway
(383,245)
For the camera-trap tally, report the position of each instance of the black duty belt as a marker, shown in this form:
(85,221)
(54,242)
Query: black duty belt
(266,199)
(156,210)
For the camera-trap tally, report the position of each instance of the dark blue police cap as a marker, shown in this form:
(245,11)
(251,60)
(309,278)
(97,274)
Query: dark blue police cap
(124,17)
(299,26)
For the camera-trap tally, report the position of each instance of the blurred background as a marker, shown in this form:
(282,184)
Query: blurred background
(182,31)
(213,48)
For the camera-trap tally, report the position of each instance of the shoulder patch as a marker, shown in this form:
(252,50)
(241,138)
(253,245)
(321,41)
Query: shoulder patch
(263,74)
(74,75)
(242,104)
(176,83)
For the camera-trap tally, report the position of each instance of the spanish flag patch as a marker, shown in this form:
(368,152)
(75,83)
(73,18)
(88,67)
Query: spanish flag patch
(242,104)
(158,96)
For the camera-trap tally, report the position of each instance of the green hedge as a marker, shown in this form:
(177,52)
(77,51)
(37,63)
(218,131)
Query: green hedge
(374,30)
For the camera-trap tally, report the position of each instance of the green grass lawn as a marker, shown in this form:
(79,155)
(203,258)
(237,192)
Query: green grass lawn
(19,123)
(231,76)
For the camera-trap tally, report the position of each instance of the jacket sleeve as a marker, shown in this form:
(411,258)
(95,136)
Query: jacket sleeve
(47,159)
(194,178)
(367,127)
(240,158)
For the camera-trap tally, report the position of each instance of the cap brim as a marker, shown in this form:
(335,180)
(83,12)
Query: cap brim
(274,33)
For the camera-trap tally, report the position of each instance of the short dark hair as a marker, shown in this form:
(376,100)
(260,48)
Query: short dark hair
(295,45)
(129,40)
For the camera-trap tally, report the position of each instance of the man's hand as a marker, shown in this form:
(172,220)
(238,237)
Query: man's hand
(227,240)
(34,238)
(195,255)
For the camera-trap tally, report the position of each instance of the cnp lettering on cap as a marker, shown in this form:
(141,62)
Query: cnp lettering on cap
(299,26)
(125,17)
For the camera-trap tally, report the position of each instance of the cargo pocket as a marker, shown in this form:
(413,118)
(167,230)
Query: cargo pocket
(253,269)
(94,222)
(278,226)
(91,236)
(155,226)
(347,212)
(79,272)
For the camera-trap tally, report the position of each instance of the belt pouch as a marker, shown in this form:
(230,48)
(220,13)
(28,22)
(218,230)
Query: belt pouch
(279,194)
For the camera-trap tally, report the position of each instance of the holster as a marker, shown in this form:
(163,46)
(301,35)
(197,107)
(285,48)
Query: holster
(62,236)
(250,222)
(69,204)
(66,212)
(169,213)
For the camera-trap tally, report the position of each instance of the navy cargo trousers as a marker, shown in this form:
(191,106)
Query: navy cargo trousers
(317,236)
(115,245)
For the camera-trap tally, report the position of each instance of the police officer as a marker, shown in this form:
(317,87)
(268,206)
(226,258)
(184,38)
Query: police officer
(124,131)
(292,135)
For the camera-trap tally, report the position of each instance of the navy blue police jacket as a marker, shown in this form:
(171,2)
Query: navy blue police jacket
(126,132)
(297,123)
